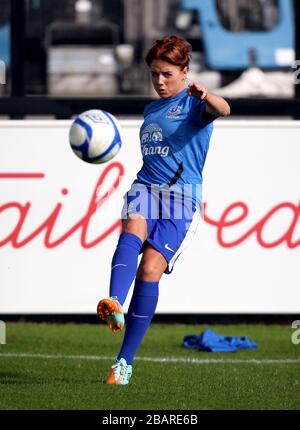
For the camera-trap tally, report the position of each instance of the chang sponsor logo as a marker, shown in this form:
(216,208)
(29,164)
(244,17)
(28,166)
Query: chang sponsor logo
(163,151)
(151,137)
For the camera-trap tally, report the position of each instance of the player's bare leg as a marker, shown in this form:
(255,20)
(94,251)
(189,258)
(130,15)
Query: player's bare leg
(136,224)
(152,265)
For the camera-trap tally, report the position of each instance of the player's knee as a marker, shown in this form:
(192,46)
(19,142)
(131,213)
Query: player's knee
(149,271)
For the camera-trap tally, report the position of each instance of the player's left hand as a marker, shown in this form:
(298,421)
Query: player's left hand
(197,90)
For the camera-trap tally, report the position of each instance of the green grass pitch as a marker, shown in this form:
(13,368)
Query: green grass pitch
(64,366)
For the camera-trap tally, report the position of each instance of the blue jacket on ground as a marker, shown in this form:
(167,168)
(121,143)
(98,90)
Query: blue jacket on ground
(208,340)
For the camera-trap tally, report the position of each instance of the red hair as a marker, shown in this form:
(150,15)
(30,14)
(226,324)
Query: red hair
(172,49)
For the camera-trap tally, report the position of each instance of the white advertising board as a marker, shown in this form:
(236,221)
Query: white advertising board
(58,233)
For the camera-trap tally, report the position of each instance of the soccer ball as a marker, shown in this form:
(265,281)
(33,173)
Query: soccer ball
(95,136)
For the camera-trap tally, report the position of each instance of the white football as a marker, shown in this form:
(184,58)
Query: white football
(95,136)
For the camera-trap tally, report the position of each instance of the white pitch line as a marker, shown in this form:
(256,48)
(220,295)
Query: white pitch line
(153,359)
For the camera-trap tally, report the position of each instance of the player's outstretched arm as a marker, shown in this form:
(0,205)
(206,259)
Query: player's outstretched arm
(215,105)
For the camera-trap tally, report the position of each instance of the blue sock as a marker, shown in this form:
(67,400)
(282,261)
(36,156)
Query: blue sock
(124,265)
(140,313)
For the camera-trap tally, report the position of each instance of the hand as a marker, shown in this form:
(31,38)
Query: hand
(197,90)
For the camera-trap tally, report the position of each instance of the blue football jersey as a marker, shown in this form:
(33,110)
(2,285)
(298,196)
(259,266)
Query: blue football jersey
(174,141)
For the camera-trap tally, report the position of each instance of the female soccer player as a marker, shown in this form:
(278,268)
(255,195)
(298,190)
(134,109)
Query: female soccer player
(162,208)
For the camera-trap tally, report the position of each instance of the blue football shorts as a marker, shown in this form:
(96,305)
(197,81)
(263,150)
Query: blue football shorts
(172,218)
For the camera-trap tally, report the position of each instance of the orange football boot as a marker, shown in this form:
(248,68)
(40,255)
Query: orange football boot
(111,311)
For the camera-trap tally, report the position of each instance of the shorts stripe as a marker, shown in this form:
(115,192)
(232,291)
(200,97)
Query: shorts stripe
(186,241)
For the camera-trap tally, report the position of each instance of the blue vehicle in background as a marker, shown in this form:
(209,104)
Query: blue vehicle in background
(5,44)
(228,37)
(237,50)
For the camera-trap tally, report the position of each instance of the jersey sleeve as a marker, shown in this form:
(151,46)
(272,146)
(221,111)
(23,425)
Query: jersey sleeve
(198,113)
